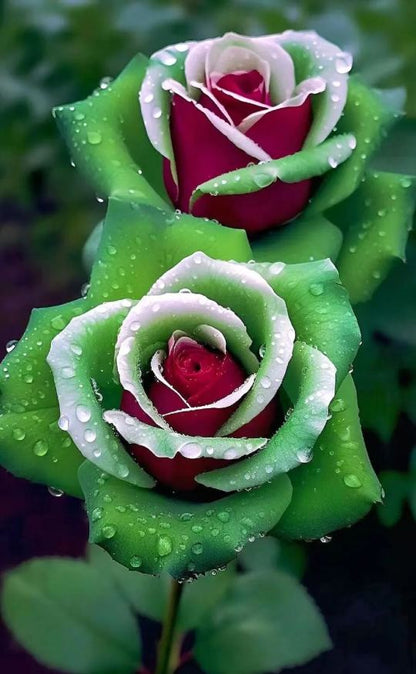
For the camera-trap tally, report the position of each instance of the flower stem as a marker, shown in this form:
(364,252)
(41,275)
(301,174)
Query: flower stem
(166,644)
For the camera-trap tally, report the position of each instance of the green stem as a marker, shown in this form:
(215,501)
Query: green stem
(164,664)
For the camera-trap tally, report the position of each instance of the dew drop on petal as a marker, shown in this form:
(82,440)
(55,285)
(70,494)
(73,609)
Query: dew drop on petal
(352,481)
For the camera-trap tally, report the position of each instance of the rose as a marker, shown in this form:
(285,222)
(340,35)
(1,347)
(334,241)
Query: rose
(199,376)
(239,100)
(355,216)
(287,330)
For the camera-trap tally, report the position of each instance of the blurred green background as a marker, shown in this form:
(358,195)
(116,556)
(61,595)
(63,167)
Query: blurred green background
(57,52)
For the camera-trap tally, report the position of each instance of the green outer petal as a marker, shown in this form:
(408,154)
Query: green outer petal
(319,309)
(310,384)
(339,486)
(367,117)
(140,242)
(153,533)
(108,142)
(376,219)
(29,407)
(302,240)
(293,168)
(83,351)
(33,446)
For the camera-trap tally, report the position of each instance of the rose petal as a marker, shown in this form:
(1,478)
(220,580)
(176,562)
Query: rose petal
(282,71)
(201,150)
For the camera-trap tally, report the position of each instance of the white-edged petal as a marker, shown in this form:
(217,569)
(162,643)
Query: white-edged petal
(333,65)
(244,289)
(282,71)
(71,358)
(231,132)
(221,403)
(313,85)
(158,317)
(167,444)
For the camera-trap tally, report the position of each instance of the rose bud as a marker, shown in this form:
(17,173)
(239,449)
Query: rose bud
(241,101)
(200,376)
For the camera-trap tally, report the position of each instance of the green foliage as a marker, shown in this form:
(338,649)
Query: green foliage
(265,622)
(70,617)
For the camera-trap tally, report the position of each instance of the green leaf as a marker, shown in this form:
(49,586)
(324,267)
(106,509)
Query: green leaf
(270,554)
(376,220)
(293,168)
(265,622)
(150,532)
(70,617)
(396,488)
(366,116)
(302,240)
(108,142)
(339,485)
(149,595)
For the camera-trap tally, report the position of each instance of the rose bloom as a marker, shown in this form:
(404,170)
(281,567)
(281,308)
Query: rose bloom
(241,100)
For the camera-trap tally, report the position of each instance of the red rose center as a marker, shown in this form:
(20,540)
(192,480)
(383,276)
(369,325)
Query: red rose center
(201,376)
(249,84)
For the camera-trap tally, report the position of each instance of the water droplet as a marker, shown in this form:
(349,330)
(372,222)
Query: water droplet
(276,267)
(325,539)
(223,516)
(11,345)
(157,113)
(263,179)
(343,63)
(19,434)
(304,455)
(58,323)
(167,59)
(68,372)
(316,289)
(191,450)
(262,351)
(337,405)
(96,514)
(84,289)
(265,382)
(332,162)
(56,493)
(90,435)
(352,143)
(135,562)
(83,413)
(230,454)
(406,182)
(109,531)
(63,423)
(352,481)
(164,546)
(94,137)
(105,82)
(123,470)
(197,548)
(185,517)
(40,448)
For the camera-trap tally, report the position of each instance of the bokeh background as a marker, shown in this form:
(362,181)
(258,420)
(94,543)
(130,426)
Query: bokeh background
(55,52)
